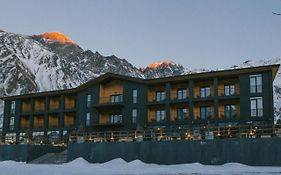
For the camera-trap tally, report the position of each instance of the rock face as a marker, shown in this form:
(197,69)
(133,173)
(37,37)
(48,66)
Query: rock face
(53,61)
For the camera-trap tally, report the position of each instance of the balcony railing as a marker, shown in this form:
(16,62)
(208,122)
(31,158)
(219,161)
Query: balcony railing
(178,97)
(111,99)
(229,114)
(226,93)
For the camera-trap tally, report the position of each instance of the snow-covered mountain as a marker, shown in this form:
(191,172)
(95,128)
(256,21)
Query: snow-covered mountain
(53,61)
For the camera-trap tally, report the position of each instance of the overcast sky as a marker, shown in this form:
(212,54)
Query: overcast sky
(195,33)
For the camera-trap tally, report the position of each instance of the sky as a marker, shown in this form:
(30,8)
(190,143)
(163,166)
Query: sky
(195,33)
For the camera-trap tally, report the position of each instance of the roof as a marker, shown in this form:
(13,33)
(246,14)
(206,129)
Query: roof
(109,76)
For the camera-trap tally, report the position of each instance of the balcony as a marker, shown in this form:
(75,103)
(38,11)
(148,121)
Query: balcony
(203,91)
(110,119)
(38,122)
(54,103)
(178,97)
(39,105)
(24,122)
(229,115)
(112,100)
(26,106)
(69,102)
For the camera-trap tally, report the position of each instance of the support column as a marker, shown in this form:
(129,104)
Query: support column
(190,98)
(216,101)
(167,101)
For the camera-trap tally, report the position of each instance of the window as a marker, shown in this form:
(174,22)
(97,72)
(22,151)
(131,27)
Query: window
(182,114)
(205,92)
(229,90)
(13,107)
(205,112)
(256,83)
(135,95)
(134,116)
(160,115)
(256,107)
(229,111)
(116,98)
(182,94)
(115,118)
(89,100)
(12,123)
(88,119)
(160,95)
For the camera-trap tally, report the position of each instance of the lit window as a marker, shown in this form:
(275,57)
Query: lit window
(229,90)
(88,119)
(134,116)
(89,100)
(205,92)
(135,95)
(256,83)
(160,115)
(256,107)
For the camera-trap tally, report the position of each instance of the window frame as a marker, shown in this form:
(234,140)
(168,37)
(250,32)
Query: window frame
(134,115)
(256,83)
(135,95)
(160,96)
(160,115)
(205,91)
(257,111)
(88,119)
(206,110)
(181,94)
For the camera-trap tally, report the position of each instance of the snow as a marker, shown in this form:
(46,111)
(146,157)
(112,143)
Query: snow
(136,167)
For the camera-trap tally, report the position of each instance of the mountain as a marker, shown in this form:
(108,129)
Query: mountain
(52,61)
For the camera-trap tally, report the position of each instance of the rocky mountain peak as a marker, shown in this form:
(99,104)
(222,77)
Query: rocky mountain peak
(57,37)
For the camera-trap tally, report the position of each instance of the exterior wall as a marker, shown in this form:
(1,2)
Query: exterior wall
(257,152)
(145,106)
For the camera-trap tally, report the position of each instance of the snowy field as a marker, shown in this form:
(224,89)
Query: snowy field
(120,167)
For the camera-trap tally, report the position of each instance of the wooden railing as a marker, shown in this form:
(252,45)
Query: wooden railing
(181,133)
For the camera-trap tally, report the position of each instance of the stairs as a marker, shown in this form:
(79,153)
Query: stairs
(51,158)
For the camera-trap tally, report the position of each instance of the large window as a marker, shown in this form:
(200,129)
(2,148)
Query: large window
(160,95)
(116,98)
(182,114)
(182,94)
(12,123)
(13,107)
(256,83)
(256,107)
(205,112)
(89,100)
(115,118)
(229,89)
(230,111)
(205,92)
(88,119)
(135,95)
(134,116)
(160,115)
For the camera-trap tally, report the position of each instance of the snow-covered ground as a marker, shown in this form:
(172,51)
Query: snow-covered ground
(120,167)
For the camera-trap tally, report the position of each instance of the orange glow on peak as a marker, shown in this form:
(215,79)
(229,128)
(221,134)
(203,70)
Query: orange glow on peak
(155,65)
(58,37)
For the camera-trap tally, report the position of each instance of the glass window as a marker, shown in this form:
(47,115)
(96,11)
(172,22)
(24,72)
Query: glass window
(13,107)
(89,100)
(182,114)
(182,94)
(88,119)
(134,116)
(205,92)
(160,95)
(229,90)
(256,107)
(116,98)
(115,118)
(256,83)
(160,115)
(135,95)
(12,123)
(230,111)
(205,112)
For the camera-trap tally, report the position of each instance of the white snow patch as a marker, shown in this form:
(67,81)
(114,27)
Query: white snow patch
(137,167)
